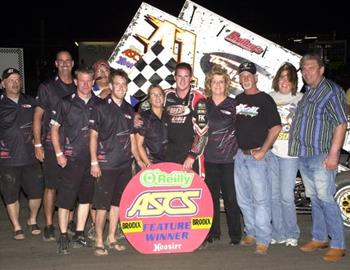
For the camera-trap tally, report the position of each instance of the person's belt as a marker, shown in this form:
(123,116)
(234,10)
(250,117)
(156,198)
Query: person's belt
(249,151)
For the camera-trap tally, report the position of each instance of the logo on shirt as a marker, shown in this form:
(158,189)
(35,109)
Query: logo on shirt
(4,151)
(286,113)
(178,110)
(225,112)
(244,109)
(170,100)
(4,154)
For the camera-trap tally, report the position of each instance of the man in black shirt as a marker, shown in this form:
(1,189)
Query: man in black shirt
(49,94)
(258,125)
(112,145)
(18,166)
(71,145)
(184,146)
(185,141)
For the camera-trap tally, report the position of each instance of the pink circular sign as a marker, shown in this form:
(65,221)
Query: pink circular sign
(166,210)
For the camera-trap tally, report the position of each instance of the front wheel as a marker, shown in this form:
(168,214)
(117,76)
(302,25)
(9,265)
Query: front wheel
(342,197)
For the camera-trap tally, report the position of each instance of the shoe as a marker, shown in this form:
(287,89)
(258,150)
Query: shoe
(206,243)
(81,241)
(71,227)
(314,245)
(274,242)
(334,254)
(247,241)
(34,229)
(91,232)
(291,242)
(115,245)
(261,249)
(100,251)
(63,245)
(215,238)
(235,242)
(49,233)
(18,235)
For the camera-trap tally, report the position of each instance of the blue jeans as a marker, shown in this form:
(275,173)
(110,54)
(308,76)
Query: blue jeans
(284,219)
(320,187)
(253,191)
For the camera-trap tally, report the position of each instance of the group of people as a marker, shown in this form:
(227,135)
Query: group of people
(248,148)
(279,134)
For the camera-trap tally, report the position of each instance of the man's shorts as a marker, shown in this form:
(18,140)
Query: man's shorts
(110,186)
(76,183)
(52,171)
(27,177)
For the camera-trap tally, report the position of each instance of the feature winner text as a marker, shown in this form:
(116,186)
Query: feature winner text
(164,232)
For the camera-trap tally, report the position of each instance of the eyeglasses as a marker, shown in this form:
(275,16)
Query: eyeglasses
(61,61)
(154,95)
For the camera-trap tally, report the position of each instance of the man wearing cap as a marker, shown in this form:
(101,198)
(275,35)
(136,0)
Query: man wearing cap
(258,125)
(49,93)
(102,72)
(18,166)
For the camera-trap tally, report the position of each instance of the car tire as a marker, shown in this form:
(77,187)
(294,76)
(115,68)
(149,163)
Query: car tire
(342,197)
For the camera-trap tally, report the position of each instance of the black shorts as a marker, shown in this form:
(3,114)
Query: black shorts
(52,171)
(28,177)
(110,186)
(76,183)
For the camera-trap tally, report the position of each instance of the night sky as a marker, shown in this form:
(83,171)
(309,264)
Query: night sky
(43,30)
(58,22)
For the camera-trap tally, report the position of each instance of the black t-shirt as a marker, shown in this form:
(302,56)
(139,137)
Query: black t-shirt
(16,136)
(73,115)
(49,94)
(222,142)
(114,125)
(154,131)
(256,114)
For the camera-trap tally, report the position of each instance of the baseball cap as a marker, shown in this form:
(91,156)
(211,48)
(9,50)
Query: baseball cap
(247,66)
(8,72)
(99,63)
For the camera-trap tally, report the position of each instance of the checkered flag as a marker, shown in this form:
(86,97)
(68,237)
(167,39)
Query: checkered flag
(155,67)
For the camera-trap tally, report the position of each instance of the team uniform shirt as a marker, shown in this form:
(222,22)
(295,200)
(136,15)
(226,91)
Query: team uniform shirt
(181,131)
(154,131)
(49,94)
(72,114)
(318,113)
(16,136)
(114,125)
(286,106)
(129,115)
(256,114)
(222,143)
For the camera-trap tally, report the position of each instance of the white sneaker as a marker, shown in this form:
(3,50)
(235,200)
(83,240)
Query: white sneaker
(273,242)
(291,242)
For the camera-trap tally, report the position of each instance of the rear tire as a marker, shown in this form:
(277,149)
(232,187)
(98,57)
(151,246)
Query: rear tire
(342,197)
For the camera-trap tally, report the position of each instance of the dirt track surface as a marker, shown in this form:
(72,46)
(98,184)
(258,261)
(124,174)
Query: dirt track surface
(34,253)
